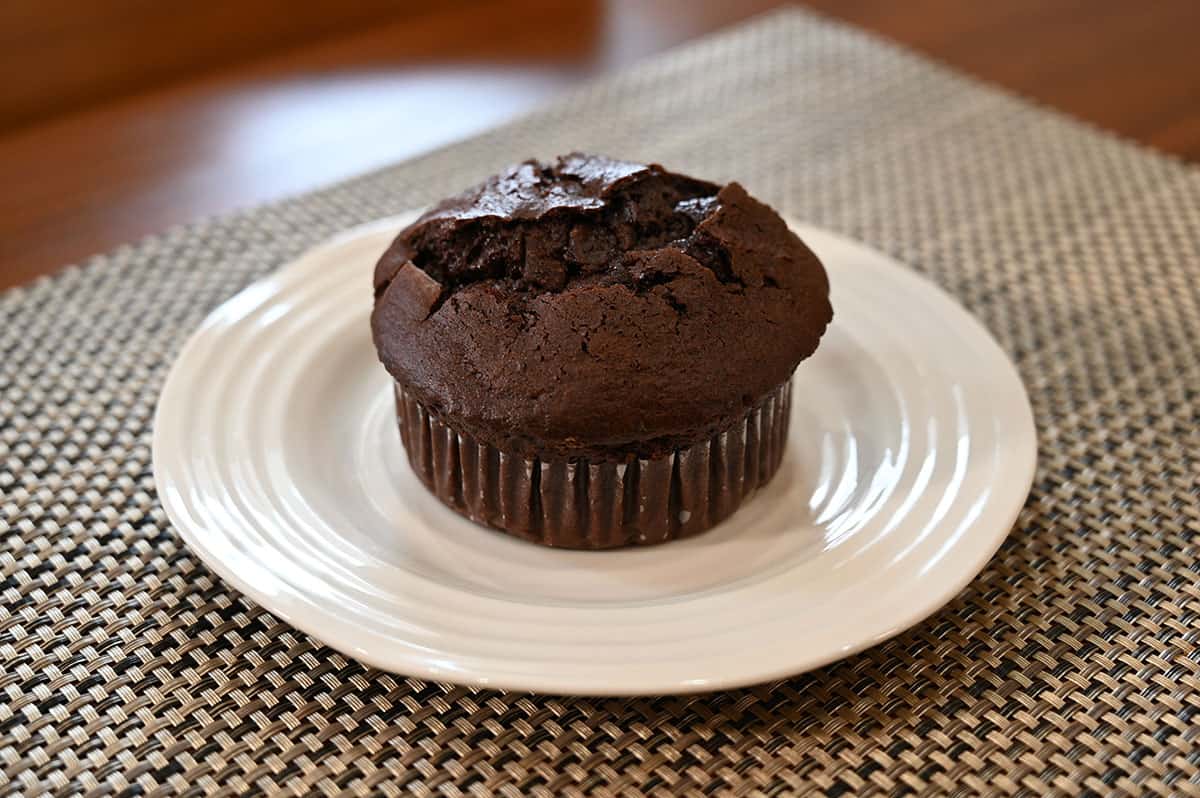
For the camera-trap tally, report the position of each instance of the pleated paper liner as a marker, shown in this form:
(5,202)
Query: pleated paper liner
(597,505)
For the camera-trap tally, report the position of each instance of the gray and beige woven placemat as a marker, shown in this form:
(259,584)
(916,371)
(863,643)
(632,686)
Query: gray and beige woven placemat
(1070,665)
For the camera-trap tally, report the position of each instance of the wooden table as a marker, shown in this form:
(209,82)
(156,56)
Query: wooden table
(293,120)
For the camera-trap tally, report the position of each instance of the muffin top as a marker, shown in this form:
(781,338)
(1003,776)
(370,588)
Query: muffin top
(596,308)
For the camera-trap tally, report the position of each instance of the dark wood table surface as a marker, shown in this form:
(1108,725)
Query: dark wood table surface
(294,119)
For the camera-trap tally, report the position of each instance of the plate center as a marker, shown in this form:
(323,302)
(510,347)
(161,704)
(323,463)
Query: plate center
(375,506)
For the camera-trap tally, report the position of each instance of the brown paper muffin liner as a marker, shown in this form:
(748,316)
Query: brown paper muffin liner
(597,505)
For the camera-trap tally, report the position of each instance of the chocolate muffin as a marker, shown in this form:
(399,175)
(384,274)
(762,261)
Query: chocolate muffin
(595,353)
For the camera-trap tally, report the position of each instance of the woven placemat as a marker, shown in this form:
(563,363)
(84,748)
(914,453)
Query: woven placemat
(1071,665)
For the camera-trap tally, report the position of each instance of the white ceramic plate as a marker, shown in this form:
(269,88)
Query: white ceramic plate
(277,457)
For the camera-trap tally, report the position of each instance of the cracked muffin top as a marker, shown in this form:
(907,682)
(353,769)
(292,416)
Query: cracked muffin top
(594,308)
